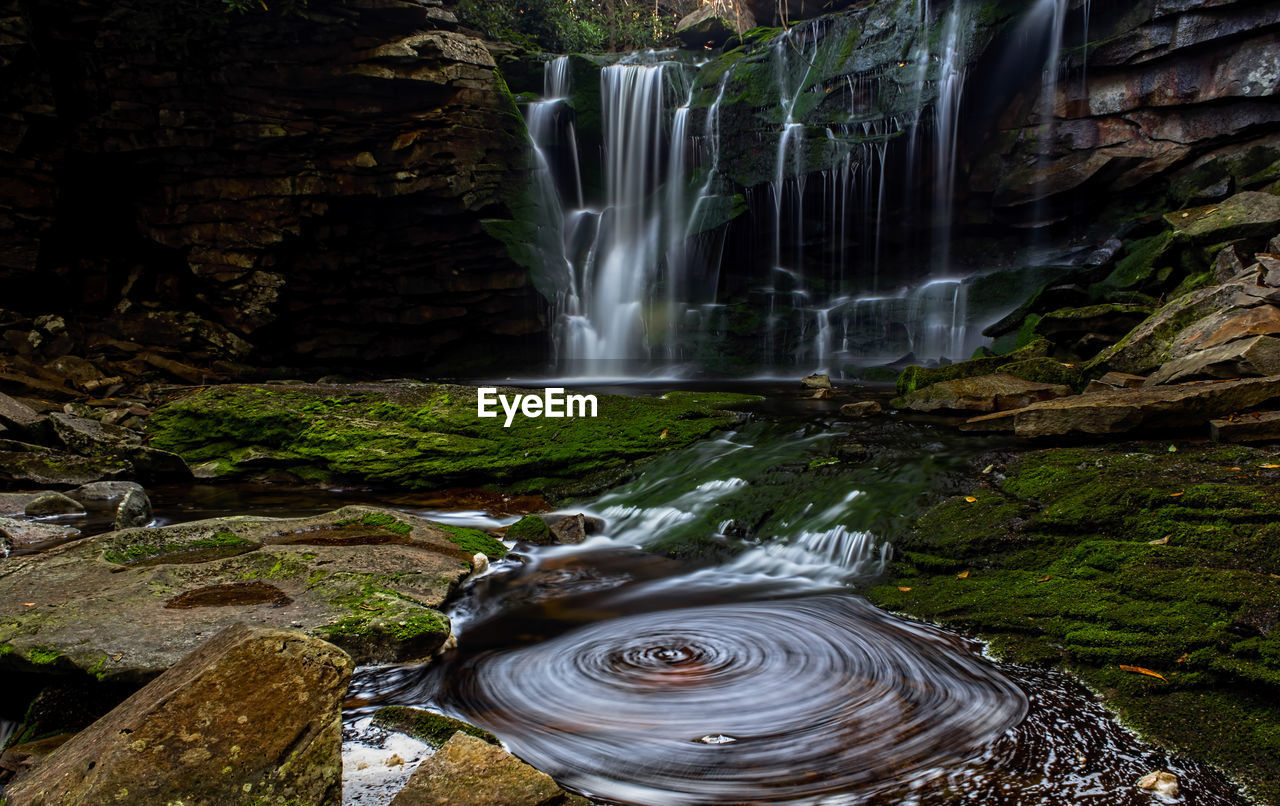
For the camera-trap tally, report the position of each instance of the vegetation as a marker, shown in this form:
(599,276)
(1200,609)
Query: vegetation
(434,729)
(1111,560)
(563,26)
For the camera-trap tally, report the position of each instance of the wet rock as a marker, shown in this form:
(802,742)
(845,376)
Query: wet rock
(134,510)
(50,504)
(1121,411)
(1161,782)
(153,464)
(1245,215)
(570,529)
(997,392)
(18,416)
(86,436)
(1257,426)
(251,713)
(917,377)
(1255,357)
(371,581)
(1122,380)
(861,410)
(425,726)
(1228,264)
(16,503)
(467,771)
(817,381)
(823,394)
(531,529)
(35,465)
(105,490)
(29,534)
(19,758)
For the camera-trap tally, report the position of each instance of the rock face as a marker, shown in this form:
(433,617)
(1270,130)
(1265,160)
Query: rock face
(313,184)
(468,771)
(370,581)
(252,716)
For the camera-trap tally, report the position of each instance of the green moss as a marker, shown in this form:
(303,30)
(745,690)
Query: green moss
(142,545)
(1097,557)
(421,436)
(531,529)
(914,377)
(434,729)
(475,541)
(1045,370)
(40,656)
(380,520)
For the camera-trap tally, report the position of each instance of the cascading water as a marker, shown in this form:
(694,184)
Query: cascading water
(645,290)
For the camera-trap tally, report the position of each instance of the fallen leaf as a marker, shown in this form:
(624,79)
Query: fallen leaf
(904,590)
(1164,541)
(988,469)
(663,435)
(962,575)
(1176,495)
(28,604)
(117,656)
(1181,659)
(370,607)
(1235,469)
(1173,449)
(970,499)
(1141,670)
(1269,467)
(1044,579)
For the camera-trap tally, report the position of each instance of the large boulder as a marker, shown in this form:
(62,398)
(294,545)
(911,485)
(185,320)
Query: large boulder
(713,23)
(371,581)
(468,771)
(1245,215)
(1246,358)
(252,716)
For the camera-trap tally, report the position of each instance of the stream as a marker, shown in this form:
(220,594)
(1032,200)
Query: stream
(761,676)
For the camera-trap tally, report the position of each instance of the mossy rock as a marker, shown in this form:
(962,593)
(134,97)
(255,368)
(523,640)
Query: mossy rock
(1046,370)
(424,436)
(1130,554)
(425,726)
(531,529)
(916,377)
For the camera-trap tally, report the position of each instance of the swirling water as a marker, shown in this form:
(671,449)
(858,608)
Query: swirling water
(637,679)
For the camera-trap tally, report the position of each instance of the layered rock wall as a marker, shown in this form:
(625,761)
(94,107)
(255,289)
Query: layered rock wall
(308,183)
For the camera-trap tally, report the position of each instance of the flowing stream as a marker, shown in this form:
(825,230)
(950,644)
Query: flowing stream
(761,676)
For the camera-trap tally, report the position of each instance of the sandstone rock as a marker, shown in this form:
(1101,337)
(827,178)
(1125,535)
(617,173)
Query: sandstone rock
(134,510)
(426,726)
(86,436)
(1228,264)
(52,504)
(18,416)
(1270,265)
(570,530)
(467,771)
(817,381)
(105,490)
(861,410)
(370,581)
(710,25)
(1182,406)
(19,758)
(252,713)
(1257,426)
(16,503)
(996,392)
(531,529)
(21,534)
(1164,783)
(1123,380)
(1227,326)
(21,463)
(823,394)
(1246,358)
(1245,215)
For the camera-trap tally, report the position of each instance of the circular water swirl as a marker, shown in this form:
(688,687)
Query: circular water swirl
(818,699)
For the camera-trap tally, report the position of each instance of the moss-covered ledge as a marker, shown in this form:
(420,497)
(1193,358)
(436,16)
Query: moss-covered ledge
(421,436)
(1161,557)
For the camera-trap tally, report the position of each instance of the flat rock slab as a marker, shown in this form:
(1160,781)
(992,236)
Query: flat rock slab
(1123,410)
(1257,426)
(468,771)
(1244,215)
(130,604)
(997,392)
(252,716)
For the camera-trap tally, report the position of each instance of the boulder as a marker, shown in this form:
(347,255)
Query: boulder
(50,504)
(570,529)
(468,771)
(369,580)
(21,463)
(531,529)
(917,377)
(1119,411)
(712,24)
(1229,263)
(21,534)
(1247,358)
(252,715)
(860,410)
(134,510)
(18,416)
(426,726)
(105,490)
(85,436)
(1244,215)
(1257,426)
(997,392)
(817,381)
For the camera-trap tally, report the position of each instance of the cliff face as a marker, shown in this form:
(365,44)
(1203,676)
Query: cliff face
(308,185)
(1168,93)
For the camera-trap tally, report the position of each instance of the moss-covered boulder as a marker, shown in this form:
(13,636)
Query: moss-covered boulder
(917,377)
(1250,215)
(468,771)
(254,716)
(1131,555)
(425,726)
(371,581)
(419,436)
(531,529)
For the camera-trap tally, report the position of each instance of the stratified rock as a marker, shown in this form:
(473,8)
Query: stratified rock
(18,416)
(252,715)
(468,771)
(86,436)
(371,581)
(1247,358)
(1121,411)
(1228,264)
(53,504)
(997,392)
(1245,215)
(134,510)
(1257,426)
(860,410)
